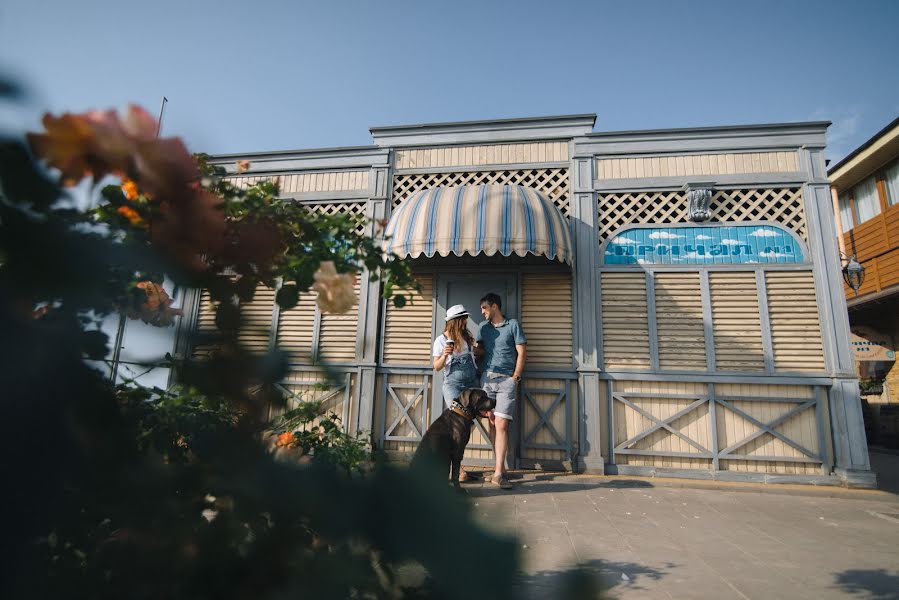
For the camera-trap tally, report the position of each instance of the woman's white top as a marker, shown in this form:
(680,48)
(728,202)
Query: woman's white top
(440,344)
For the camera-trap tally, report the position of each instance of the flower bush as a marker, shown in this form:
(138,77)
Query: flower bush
(148,493)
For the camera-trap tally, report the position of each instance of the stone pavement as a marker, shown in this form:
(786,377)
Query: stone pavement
(652,538)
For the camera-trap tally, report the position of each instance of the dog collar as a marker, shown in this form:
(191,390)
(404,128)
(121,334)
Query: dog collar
(462,411)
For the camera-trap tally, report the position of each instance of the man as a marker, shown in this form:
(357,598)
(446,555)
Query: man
(502,345)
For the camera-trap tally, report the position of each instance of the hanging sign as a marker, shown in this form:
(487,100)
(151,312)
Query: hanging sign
(708,245)
(869,345)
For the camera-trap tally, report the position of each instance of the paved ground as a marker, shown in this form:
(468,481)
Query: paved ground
(652,539)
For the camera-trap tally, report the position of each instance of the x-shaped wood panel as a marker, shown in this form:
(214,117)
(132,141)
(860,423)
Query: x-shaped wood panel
(418,394)
(768,427)
(544,418)
(661,424)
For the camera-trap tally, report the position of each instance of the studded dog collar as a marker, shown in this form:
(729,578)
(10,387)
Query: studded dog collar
(462,411)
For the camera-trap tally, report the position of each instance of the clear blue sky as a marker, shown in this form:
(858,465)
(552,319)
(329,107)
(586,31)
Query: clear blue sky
(264,75)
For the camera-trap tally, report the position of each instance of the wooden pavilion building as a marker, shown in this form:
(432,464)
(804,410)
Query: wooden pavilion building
(680,290)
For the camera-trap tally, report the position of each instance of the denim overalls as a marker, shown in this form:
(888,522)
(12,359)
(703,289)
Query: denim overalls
(459,375)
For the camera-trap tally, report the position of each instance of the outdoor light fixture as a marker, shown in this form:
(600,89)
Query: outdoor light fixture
(853,273)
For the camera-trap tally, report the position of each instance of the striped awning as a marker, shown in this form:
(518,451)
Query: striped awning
(479,219)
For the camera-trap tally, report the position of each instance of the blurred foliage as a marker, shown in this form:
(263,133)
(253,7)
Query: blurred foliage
(123,491)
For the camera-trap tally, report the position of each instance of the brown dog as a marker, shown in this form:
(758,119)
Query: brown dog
(444,442)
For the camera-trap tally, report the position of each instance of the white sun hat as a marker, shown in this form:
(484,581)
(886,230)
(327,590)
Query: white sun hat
(455,311)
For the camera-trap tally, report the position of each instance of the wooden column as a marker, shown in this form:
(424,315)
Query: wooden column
(369,310)
(847,426)
(586,316)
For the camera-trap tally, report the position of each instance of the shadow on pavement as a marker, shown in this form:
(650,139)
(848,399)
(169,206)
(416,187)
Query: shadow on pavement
(606,576)
(886,465)
(871,584)
(553,484)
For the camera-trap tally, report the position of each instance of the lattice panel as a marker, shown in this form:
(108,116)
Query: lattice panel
(551,182)
(782,206)
(352,209)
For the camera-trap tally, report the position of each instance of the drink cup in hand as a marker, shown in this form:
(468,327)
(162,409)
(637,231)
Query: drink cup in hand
(450,346)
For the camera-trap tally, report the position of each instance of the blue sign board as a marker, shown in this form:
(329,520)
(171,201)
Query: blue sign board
(728,244)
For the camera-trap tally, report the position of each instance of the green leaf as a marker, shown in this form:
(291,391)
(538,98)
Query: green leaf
(288,296)
(399,301)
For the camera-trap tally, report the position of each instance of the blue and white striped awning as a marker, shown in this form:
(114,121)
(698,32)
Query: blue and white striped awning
(479,219)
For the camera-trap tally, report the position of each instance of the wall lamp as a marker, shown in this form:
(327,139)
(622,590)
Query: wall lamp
(853,272)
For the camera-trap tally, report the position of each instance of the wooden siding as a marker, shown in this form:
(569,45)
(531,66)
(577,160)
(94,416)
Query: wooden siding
(546,312)
(795,328)
(474,156)
(625,325)
(326,181)
(683,165)
(875,243)
(679,322)
(337,335)
(407,330)
(736,322)
(296,328)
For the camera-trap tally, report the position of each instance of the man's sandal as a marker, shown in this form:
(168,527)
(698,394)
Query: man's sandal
(501,482)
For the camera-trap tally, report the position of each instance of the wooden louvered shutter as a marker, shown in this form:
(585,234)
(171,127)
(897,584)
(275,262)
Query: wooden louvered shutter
(256,320)
(205,324)
(546,318)
(795,328)
(296,328)
(337,334)
(736,322)
(407,330)
(625,325)
(679,323)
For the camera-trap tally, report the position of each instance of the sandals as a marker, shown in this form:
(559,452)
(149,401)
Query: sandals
(468,476)
(501,481)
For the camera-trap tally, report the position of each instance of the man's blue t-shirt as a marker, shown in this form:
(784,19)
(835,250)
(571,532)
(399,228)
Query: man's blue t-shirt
(499,343)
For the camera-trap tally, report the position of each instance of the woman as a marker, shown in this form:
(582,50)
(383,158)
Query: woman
(453,353)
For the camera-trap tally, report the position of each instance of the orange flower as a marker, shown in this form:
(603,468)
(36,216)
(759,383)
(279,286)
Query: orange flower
(95,143)
(285,439)
(129,188)
(132,215)
(66,145)
(155,309)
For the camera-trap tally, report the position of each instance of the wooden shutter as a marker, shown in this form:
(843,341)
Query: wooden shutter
(546,318)
(407,330)
(736,322)
(256,320)
(337,336)
(296,327)
(205,323)
(625,325)
(679,323)
(795,329)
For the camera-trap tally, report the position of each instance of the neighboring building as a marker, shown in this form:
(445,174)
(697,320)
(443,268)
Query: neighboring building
(865,188)
(680,291)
